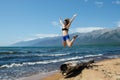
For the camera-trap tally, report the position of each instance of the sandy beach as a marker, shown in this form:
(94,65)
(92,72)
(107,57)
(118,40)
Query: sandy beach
(102,70)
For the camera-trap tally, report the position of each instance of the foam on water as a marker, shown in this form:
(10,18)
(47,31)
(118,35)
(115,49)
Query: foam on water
(38,62)
(46,61)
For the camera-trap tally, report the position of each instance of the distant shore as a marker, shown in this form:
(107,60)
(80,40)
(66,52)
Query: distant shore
(103,70)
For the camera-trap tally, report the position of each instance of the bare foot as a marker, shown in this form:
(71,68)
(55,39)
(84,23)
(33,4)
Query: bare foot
(75,36)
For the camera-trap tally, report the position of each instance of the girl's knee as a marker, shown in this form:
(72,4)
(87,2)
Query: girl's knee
(69,45)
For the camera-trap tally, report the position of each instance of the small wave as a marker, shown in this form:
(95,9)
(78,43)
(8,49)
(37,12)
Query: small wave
(56,55)
(47,61)
(112,56)
(21,56)
(93,55)
(11,65)
(7,52)
(39,62)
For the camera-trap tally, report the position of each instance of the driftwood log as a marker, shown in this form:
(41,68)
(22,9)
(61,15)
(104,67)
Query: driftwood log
(73,67)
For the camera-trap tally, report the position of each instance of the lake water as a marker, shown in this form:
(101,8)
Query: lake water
(18,62)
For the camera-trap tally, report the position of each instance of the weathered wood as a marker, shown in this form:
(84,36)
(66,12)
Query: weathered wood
(71,67)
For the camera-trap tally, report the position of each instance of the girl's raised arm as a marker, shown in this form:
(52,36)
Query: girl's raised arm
(61,22)
(73,17)
(71,20)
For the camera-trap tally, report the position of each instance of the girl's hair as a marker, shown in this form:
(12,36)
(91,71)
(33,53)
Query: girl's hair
(66,21)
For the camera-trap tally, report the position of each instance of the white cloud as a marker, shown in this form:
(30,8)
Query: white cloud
(118,24)
(55,23)
(99,3)
(116,2)
(46,35)
(87,29)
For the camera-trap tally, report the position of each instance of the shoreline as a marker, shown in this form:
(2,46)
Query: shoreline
(38,76)
(107,69)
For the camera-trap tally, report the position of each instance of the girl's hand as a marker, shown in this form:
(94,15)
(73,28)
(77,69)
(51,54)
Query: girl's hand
(75,15)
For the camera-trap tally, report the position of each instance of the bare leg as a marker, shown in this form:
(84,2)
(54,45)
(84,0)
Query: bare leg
(64,43)
(69,43)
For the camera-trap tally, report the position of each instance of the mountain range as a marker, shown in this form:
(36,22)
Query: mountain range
(96,37)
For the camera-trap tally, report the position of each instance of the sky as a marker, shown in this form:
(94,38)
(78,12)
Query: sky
(23,20)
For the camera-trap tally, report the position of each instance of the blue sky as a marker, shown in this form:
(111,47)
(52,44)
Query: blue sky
(31,19)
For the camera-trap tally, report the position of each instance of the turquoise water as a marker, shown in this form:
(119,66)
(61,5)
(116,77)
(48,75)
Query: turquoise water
(17,62)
